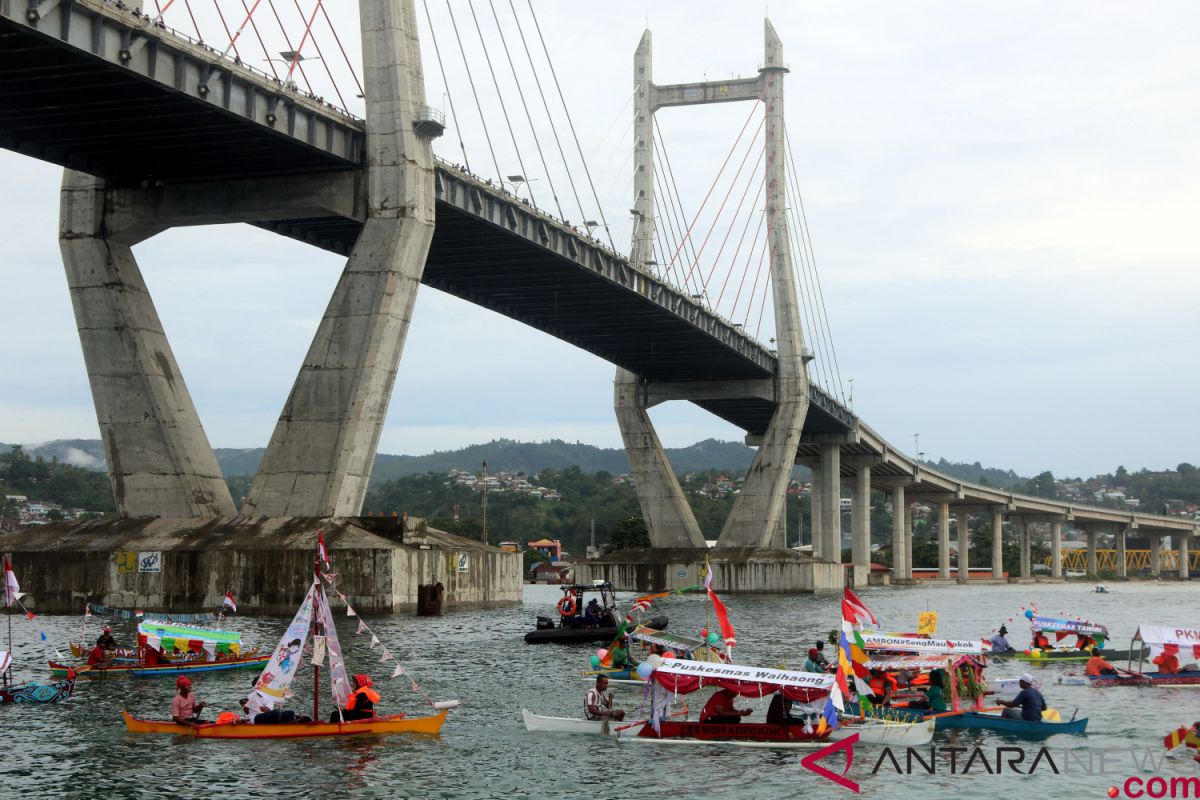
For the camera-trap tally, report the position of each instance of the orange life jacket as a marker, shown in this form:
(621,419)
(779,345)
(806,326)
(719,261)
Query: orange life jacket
(367,692)
(1041,642)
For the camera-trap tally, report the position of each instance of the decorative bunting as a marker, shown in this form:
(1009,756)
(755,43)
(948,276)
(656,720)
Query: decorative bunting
(362,626)
(415,687)
(386,657)
(375,641)
(350,612)
(329,576)
(398,671)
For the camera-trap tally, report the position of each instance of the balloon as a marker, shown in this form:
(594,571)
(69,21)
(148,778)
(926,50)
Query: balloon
(595,662)
(1029,614)
(601,653)
(654,660)
(714,639)
(668,654)
(704,633)
(644,669)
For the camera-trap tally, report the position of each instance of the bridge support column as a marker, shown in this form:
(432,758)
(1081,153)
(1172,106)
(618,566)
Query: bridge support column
(1183,556)
(944,540)
(321,454)
(815,510)
(1091,552)
(861,520)
(1026,550)
(998,543)
(159,458)
(1056,549)
(1155,554)
(908,539)
(1122,563)
(899,545)
(831,500)
(964,550)
(669,519)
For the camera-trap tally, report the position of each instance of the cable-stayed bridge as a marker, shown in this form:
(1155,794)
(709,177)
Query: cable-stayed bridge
(158,128)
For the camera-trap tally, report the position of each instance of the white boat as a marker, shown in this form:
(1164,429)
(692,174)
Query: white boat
(536,722)
(892,734)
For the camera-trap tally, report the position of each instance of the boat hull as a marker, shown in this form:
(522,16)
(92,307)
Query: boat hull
(891,734)
(1014,727)
(538,723)
(756,734)
(164,670)
(1191,679)
(242,730)
(31,692)
(1066,656)
(583,635)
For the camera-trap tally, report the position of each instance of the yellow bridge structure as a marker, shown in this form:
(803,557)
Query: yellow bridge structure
(1135,560)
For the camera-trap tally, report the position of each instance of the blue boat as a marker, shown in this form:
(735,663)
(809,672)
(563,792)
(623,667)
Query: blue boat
(1013,727)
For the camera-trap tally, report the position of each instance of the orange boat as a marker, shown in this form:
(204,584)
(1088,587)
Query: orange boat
(397,723)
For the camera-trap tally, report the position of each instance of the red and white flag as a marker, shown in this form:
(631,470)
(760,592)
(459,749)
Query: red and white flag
(232,606)
(855,610)
(321,552)
(12,589)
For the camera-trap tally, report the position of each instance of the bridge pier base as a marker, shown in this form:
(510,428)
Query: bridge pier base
(861,520)
(159,458)
(944,540)
(1183,557)
(964,553)
(1056,549)
(1155,554)
(899,550)
(998,545)
(745,570)
(1122,564)
(1091,552)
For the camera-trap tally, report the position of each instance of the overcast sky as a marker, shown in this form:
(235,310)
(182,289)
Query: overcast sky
(1003,201)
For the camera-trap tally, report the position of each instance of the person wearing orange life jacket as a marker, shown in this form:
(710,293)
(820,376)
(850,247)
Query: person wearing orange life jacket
(1041,641)
(1084,642)
(361,704)
(883,684)
(1167,662)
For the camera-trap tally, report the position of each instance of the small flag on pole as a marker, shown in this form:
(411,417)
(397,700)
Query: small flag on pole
(228,603)
(321,552)
(12,589)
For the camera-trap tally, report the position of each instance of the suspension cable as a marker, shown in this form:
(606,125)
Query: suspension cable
(733,221)
(288,41)
(471,80)
(232,38)
(258,35)
(346,58)
(741,240)
(320,55)
(677,210)
(446,85)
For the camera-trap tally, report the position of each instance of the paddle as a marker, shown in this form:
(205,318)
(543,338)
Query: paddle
(965,711)
(1141,679)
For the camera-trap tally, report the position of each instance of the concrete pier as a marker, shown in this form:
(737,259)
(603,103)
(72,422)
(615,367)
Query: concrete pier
(747,570)
(1122,563)
(186,566)
(1056,549)
(1183,557)
(861,522)
(998,544)
(899,549)
(944,540)
(964,550)
(1091,552)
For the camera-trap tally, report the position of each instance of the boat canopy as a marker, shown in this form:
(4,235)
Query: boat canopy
(671,641)
(917,661)
(683,677)
(1184,642)
(188,638)
(910,644)
(1068,626)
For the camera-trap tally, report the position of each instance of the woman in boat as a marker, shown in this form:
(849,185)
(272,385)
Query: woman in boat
(272,716)
(99,657)
(935,696)
(361,704)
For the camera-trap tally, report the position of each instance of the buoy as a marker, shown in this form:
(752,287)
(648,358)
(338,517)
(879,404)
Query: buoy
(444,704)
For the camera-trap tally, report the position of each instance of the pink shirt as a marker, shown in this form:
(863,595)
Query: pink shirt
(183,706)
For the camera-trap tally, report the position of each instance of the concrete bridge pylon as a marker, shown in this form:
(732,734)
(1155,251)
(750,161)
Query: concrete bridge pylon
(758,510)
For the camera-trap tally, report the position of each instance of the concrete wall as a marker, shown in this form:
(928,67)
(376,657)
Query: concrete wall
(186,566)
(735,570)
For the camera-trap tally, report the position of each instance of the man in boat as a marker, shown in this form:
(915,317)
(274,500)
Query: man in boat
(185,708)
(620,655)
(1000,641)
(597,703)
(106,639)
(720,709)
(256,715)
(99,657)
(780,711)
(1084,642)
(1097,666)
(1041,641)
(822,661)
(1167,662)
(361,704)
(1028,705)
(153,656)
(813,662)
(591,614)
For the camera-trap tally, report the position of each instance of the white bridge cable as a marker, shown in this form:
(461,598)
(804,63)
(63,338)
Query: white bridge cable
(806,238)
(458,131)
(570,123)
(674,199)
(813,332)
(666,204)
(503,105)
(537,143)
(474,92)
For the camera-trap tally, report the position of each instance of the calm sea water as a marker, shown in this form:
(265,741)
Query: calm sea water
(80,749)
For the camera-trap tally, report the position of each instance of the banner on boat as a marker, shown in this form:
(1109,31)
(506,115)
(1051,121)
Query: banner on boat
(1069,626)
(271,688)
(1159,634)
(908,644)
(188,639)
(738,672)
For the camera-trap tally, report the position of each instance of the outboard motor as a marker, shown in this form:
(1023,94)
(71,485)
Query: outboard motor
(544,623)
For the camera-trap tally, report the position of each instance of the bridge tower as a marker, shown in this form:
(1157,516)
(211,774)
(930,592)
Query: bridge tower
(321,453)
(755,519)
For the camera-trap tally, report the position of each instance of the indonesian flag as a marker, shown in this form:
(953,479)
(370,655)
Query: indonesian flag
(856,610)
(228,603)
(723,619)
(322,554)
(12,589)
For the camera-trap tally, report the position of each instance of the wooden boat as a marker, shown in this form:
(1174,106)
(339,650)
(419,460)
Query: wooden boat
(32,692)
(1013,727)
(539,723)
(129,655)
(571,629)
(1188,679)
(1064,656)
(397,723)
(889,734)
(314,618)
(160,670)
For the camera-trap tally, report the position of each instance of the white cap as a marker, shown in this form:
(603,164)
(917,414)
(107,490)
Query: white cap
(1026,677)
